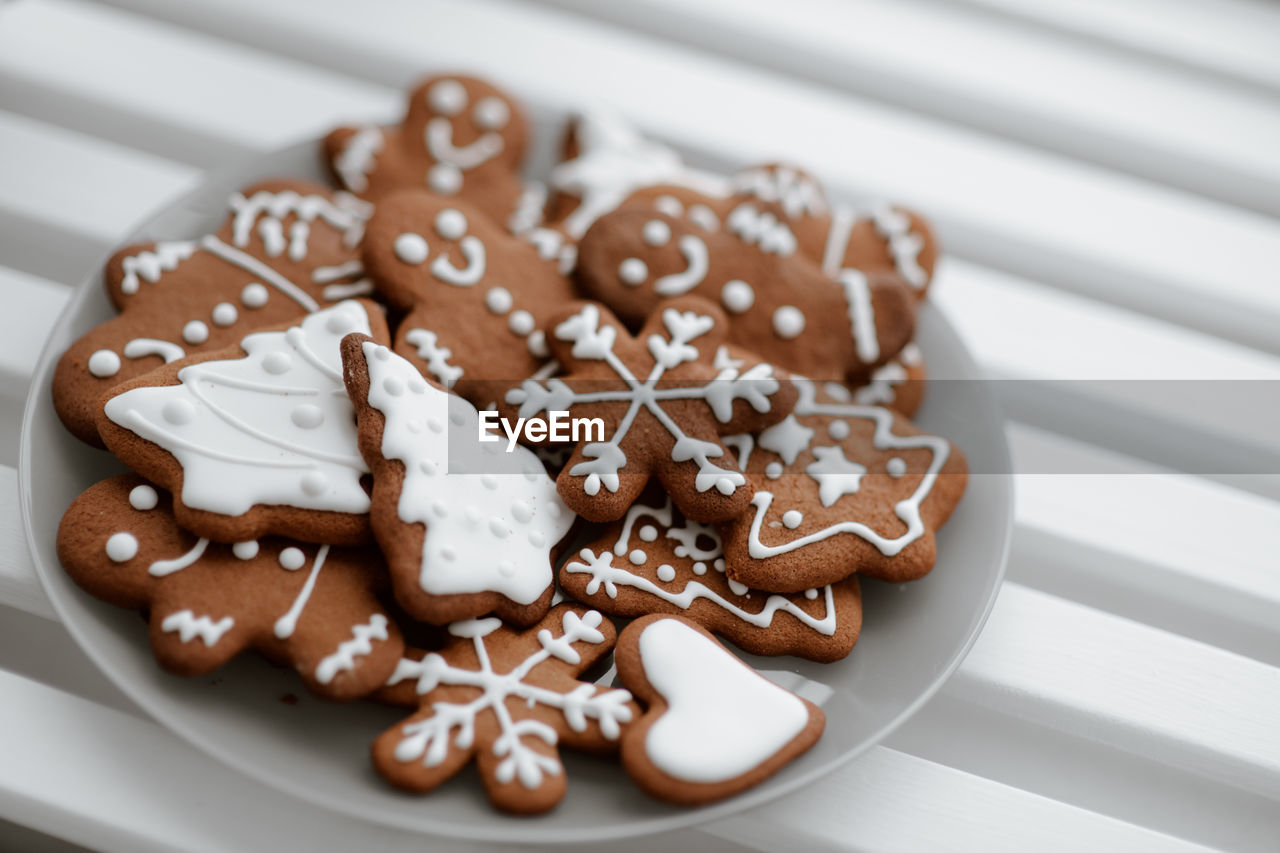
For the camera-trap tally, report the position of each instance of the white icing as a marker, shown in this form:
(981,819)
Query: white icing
(794,190)
(896,467)
(839,430)
(254,295)
(455,226)
(704,217)
(143,498)
(788,322)
(411,248)
(360,644)
(792,518)
(122,547)
(228,421)
(104,363)
(903,244)
(436,356)
(149,265)
(698,262)
(862,318)
(224,314)
(430,740)
(788,438)
(633,271)
(439,141)
(837,246)
(444,178)
(723,719)
(355,162)
(447,97)
(291,559)
(762,229)
(530,207)
(142,347)
(245,550)
(481,528)
(656,233)
(499,300)
(737,296)
(195,332)
(189,626)
(521,323)
(343,212)
(491,113)
(160,568)
(288,623)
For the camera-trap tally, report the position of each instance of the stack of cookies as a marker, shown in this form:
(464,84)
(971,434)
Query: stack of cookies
(498,416)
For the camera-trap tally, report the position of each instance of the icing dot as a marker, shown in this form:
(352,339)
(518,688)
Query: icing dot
(791,518)
(178,412)
(725,486)
(121,547)
(472,514)
(104,363)
(439,509)
(499,528)
(277,362)
(637,557)
(224,314)
(254,295)
(491,113)
(838,430)
(448,553)
(143,498)
(738,588)
(522,512)
(314,483)
(245,550)
(195,332)
(633,271)
(521,322)
(773,470)
(292,558)
(666,573)
(537,342)
(811,594)
(489,481)
(704,217)
(447,97)
(788,322)
(340,322)
(896,467)
(456,418)
(307,416)
(648,533)
(498,300)
(445,178)
(411,248)
(656,232)
(417,385)
(428,467)
(737,296)
(699,568)
(451,224)
(719,564)
(536,539)
(506,568)
(435,425)
(413,426)
(668,204)
(382,353)
(393,386)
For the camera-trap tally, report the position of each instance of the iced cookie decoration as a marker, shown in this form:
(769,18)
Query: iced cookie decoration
(662,406)
(468,527)
(285,249)
(840,489)
(898,384)
(507,700)
(779,303)
(475,296)
(257,438)
(461,138)
(714,727)
(310,607)
(656,561)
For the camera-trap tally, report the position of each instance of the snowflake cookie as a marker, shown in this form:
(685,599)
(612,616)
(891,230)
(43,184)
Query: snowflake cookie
(461,137)
(468,528)
(507,699)
(475,296)
(780,304)
(714,726)
(257,438)
(841,488)
(663,406)
(311,607)
(286,248)
(657,561)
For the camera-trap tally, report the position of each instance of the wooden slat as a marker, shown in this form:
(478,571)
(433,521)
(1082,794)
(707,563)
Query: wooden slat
(19,586)
(1032,86)
(36,303)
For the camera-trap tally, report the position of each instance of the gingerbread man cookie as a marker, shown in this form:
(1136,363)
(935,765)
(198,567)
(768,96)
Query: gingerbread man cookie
(461,137)
(660,404)
(311,607)
(257,438)
(508,700)
(657,561)
(840,489)
(780,304)
(714,726)
(286,248)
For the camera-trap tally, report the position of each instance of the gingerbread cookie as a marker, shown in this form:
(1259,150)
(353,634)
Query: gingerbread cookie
(461,137)
(898,384)
(841,489)
(475,295)
(656,561)
(467,528)
(286,248)
(714,727)
(257,438)
(310,607)
(660,404)
(507,700)
(780,304)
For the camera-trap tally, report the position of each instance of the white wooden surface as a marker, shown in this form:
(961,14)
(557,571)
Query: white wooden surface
(1105,180)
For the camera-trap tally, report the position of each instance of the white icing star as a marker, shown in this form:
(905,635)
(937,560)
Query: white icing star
(836,475)
(787,438)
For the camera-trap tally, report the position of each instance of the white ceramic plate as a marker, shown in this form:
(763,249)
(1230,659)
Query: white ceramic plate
(913,636)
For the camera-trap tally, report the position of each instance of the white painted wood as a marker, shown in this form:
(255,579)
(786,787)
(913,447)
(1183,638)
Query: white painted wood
(1071,225)
(33,305)
(1034,86)
(166,90)
(19,586)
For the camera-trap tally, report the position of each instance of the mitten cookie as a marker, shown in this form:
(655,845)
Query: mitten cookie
(467,528)
(656,561)
(475,295)
(460,137)
(506,699)
(257,438)
(714,727)
(780,304)
(841,488)
(286,248)
(306,606)
(660,405)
